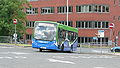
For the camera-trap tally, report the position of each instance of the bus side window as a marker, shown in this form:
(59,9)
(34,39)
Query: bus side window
(72,36)
(61,35)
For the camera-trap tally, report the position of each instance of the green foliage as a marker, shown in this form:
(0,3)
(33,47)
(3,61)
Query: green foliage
(9,10)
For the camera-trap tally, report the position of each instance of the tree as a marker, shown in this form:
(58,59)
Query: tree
(9,10)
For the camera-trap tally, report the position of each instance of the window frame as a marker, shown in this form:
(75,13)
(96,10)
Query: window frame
(63,9)
(51,9)
(92,24)
(31,11)
(92,8)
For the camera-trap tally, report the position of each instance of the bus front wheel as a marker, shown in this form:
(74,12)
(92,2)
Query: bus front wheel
(40,50)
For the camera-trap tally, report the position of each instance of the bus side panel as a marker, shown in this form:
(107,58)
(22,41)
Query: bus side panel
(66,45)
(50,45)
(74,45)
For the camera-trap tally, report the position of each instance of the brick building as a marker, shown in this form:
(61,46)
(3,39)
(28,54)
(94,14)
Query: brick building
(89,16)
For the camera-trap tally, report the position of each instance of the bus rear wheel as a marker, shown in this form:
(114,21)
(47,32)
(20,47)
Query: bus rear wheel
(62,48)
(71,49)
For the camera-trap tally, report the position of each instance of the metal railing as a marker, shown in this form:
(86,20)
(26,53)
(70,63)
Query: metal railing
(6,39)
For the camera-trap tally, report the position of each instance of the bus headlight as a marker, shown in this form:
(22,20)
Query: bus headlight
(33,41)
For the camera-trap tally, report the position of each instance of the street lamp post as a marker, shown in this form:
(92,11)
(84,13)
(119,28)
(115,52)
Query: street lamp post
(67,12)
(67,20)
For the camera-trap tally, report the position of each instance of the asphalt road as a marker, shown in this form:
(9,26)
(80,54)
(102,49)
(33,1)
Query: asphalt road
(26,57)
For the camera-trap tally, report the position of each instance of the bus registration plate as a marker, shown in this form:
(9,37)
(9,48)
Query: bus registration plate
(43,47)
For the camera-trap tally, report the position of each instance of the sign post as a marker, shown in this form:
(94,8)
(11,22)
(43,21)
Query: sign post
(101,34)
(15,35)
(111,26)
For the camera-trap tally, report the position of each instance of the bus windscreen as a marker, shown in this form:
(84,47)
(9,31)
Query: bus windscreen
(45,31)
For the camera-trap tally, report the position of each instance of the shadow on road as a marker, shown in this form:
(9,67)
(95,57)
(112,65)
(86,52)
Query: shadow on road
(53,51)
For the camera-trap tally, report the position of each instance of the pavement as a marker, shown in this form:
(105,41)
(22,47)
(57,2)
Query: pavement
(27,57)
(28,45)
(117,54)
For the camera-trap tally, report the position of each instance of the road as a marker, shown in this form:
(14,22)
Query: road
(27,57)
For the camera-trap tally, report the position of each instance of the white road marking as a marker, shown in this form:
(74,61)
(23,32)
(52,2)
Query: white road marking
(85,57)
(17,53)
(14,57)
(74,57)
(20,57)
(90,57)
(58,57)
(6,58)
(99,56)
(54,60)
(98,67)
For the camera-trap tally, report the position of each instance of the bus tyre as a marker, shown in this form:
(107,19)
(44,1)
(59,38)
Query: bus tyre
(71,48)
(117,50)
(40,50)
(62,47)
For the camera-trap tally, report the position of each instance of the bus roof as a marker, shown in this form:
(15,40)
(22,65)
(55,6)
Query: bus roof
(61,26)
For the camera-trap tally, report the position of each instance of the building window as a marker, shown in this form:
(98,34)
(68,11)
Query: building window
(47,10)
(31,10)
(92,24)
(92,8)
(65,23)
(28,36)
(118,33)
(118,18)
(91,40)
(114,2)
(63,9)
(119,2)
(30,24)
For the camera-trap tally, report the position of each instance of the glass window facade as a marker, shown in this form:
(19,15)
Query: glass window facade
(28,37)
(70,23)
(92,24)
(92,8)
(47,10)
(30,24)
(63,9)
(31,10)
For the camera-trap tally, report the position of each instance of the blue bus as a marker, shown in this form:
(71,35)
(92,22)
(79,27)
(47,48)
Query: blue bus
(50,35)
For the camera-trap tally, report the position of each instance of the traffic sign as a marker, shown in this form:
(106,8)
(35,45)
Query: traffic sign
(15,21)
(15,35)
(101,33)
(111,25)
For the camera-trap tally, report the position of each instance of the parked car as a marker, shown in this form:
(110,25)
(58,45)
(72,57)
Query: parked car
(115,49)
